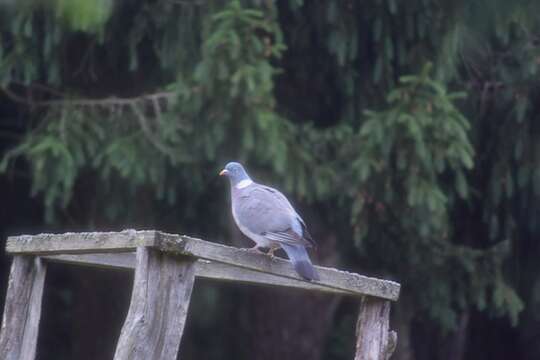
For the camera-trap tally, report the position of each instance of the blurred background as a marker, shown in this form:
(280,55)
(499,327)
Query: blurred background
(405,133)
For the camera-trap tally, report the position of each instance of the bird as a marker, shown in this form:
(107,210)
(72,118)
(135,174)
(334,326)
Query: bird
(265,216)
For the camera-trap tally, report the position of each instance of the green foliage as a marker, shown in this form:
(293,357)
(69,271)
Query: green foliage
(66,144)
(413,163)
(420,137)
(233,84)
(143,138)
(25,46)
(83,15)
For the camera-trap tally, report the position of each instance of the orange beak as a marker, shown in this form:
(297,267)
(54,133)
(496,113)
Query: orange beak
(223,172)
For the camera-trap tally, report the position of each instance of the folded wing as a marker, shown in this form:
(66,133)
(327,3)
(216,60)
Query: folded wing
(266,212)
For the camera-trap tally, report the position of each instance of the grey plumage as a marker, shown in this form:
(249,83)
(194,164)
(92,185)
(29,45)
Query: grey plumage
(300,259)
(266,216)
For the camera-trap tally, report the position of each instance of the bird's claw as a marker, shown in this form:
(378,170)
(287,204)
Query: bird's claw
(271,254)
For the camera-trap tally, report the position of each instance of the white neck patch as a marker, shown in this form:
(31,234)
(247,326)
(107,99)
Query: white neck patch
(244,183)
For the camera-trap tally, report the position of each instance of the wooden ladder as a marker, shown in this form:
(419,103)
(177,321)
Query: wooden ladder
(166,266)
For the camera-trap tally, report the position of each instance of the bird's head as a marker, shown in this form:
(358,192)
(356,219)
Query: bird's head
(235,172)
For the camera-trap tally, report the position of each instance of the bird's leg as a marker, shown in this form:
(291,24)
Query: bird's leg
(256,249)
(271,253)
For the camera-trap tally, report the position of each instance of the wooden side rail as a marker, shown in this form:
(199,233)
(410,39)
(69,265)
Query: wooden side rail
(129,240)
(203,269)
(166,267)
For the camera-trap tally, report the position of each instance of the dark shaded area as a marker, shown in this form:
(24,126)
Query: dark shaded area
(86,305)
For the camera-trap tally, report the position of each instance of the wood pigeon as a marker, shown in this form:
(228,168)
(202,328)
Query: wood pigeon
(265,216)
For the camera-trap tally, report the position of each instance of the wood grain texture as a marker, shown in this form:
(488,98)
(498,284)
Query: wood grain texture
(204,269)
(374,340)
(116,261)
(22,312)
(159,305)
(125,241)
(80,243)
(352,283)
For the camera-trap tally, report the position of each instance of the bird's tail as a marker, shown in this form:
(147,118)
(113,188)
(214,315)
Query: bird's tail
(301,262)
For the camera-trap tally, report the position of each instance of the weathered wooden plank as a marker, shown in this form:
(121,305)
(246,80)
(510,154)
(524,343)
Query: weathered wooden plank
(22,311)
(123,261)
(203,269)
(332,278)
(80,243)
(374,340)
(159,305)
(225,272)
(76,243)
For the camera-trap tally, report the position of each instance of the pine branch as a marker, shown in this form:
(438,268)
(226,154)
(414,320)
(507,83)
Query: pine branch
(137,105)
(108,102)
(150,135)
